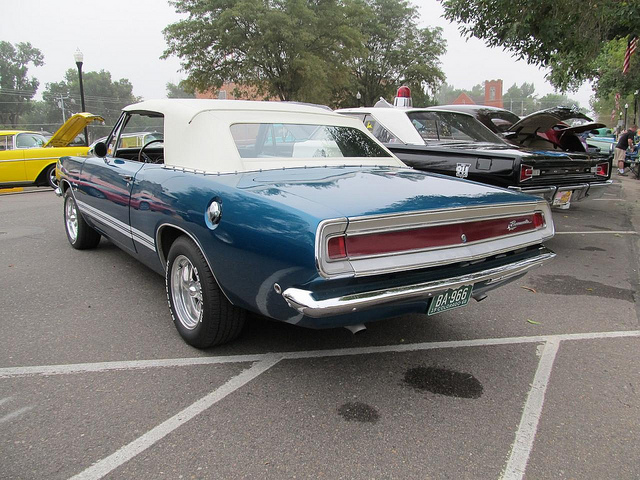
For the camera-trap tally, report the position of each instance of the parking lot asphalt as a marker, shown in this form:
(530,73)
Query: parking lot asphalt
(540,380)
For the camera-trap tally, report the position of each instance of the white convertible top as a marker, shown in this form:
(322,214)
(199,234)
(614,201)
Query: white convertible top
(393,119)
(197,133)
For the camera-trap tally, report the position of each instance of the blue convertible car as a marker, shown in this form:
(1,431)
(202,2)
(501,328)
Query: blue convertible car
(293,212)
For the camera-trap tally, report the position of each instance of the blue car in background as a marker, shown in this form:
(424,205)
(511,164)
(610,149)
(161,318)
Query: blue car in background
(292,212)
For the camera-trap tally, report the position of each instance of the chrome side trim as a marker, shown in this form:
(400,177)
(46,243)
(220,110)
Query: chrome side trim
(28,159)
(119,226)
(304,301)
(105,219)
(143,239)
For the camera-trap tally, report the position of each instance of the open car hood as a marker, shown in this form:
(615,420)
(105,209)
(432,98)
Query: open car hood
(545,119)
(71,128)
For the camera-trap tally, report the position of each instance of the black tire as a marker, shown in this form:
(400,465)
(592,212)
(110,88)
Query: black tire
(201,313)
(50,176)
(80,235)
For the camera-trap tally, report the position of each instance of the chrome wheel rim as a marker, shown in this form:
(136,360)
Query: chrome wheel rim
(186,291)
(53,181)
(71,219)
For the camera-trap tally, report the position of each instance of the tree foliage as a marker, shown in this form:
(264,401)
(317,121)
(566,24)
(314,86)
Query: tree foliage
(181,90)
(447,94)
(287,49)
(103,97)
(396,52)
(320,51)
(611,80)
(16,88)
(562,35)
(521,100)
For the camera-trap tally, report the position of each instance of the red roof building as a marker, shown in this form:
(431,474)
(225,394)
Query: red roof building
(464,99)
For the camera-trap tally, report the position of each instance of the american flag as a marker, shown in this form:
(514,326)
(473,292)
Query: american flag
(631,47)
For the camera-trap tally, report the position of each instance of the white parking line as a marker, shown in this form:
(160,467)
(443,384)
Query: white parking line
(411,347)
(526,434)
(518,457)
(15,414)
(126,453)
(124,365)
(600,232)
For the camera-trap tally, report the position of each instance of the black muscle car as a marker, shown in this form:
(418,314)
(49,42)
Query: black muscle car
(454,143)
(557,128)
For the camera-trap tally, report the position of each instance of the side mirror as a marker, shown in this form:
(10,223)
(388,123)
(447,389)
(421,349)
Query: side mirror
(100,149)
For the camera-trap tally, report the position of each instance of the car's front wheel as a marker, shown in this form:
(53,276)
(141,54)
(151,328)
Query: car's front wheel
(200,311)
(80,235)
(50,176)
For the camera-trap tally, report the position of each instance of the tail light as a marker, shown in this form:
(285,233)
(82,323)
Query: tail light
(437,236)
(337,248)
(602,169)
(526,172)
(538,220)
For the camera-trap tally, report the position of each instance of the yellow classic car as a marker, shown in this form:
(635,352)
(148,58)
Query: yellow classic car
(27,158)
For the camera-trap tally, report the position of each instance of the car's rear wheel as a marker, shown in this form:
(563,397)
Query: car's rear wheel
(200,311)
(50,176)
(80,235)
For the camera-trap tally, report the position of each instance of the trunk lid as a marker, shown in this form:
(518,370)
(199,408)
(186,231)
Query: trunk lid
(545,119)
(354,191)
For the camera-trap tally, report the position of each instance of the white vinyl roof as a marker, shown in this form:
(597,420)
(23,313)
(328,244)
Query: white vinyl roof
(197,133)
(393,119)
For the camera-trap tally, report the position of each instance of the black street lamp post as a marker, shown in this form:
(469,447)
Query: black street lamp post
(626,108)
(78,58)
(635,107)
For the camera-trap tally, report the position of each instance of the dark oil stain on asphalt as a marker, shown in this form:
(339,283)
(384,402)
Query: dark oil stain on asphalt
(593,249)
(568,285)
(359,412)
(443,382)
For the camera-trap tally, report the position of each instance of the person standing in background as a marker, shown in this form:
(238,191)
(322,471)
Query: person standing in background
(625,141)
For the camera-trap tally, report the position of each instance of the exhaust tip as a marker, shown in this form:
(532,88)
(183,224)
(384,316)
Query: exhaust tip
(479,297)
(356,328)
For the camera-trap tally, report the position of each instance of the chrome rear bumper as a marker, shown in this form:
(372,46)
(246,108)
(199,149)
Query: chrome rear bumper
(580,190)
(305,302)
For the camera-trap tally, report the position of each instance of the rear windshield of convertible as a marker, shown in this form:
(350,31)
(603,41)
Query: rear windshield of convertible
(289,140)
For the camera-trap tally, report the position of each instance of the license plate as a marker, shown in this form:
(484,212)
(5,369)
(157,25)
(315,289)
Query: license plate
(452,298)
(562,198)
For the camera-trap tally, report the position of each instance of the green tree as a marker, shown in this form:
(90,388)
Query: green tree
(396,52)
(562,35)
(181,90)
(287,49)
(551,100)
(16,88)
(521,100)
(103,96)
(446,94)
(612,81)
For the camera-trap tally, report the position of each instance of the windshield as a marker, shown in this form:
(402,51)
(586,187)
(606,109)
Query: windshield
(286,140)
(451,127)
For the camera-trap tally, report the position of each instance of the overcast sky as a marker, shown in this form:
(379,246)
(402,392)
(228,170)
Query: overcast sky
(125,38)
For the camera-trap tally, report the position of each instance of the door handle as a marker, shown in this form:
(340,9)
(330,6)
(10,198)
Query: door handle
(127,178)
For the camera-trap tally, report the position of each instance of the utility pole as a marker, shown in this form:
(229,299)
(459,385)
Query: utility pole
(60,99)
